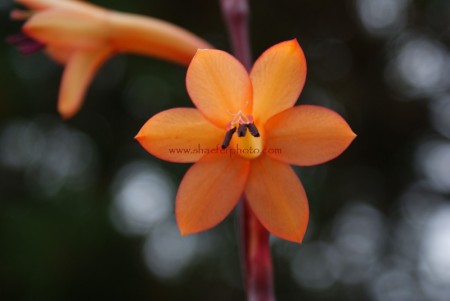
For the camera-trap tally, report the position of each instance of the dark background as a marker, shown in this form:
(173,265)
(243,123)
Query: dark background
(87,214)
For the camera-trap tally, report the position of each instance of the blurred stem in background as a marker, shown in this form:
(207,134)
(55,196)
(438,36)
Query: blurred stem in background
(254,237)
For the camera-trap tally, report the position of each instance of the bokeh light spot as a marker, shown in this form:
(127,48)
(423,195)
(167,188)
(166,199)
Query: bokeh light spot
(143,196)
(382,17)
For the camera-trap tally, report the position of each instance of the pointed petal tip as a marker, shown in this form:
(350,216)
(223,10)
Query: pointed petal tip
(293,42)
(277,198)
(351,136)
(278,77)
(187,228)
(139,135)
(66,113)
(308,135)
(140,138)
(289,43)
(294,236)
(183,232)
(179,135)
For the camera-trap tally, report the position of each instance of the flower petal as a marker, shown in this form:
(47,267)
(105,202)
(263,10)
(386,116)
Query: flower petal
(278,77)
(307,135)
(276,196)
(59,54)
(78,73)
(218,85)
(80,29)
(209,191)
(39,5)
(150,36)
(180,135)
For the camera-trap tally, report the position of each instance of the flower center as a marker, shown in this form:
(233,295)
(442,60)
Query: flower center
(249,144)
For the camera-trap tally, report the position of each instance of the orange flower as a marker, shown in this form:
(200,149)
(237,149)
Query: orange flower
(83,36)
(261,134)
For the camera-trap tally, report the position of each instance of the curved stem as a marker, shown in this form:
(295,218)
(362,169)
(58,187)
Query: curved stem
(255,238)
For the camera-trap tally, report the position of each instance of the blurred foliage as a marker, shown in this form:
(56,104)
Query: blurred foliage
(378,213)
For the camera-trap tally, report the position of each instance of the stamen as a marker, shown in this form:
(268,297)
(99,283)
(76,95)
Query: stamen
(29,48)
(240,123)
(17,38)
(24,43)
(228,136)
(253,129)
(242,130)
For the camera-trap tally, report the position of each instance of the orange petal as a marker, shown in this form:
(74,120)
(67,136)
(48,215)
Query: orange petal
(78,73)
(180,135)
(307,135)
(209,191)
(20,15)
(85,29)
(276,196)
(59,54)
(38,4)
(150,36)
(278,77)
(47,4)
(218,85)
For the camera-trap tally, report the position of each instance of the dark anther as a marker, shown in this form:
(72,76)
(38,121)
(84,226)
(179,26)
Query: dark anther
(24,43)
(242,130)
(253,130)
(228,136)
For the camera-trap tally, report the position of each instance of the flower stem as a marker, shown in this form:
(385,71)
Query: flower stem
(255,238)
(257,259)
(235,13)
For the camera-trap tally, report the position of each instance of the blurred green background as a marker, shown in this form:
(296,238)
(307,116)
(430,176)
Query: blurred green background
(87,214)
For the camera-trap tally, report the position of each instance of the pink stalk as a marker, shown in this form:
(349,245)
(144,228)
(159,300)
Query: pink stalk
(236,13)
(257,259)
(255,238)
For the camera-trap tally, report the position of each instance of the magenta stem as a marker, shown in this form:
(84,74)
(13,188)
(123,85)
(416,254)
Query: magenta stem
(236,15)
(256,258)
